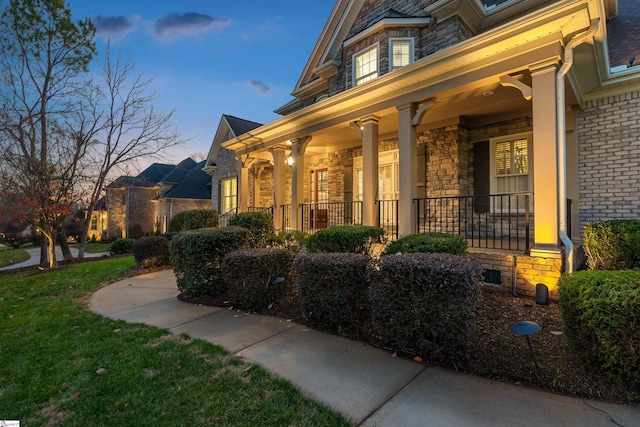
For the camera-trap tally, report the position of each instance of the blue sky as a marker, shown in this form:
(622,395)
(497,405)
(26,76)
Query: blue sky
(212,57)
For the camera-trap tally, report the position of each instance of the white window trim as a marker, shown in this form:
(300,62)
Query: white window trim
(385,158)
(375,46)
(223,196)
(412,53)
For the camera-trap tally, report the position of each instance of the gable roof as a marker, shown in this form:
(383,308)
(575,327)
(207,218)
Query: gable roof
(178,172)
(229,127)
(195,185)
(154,173)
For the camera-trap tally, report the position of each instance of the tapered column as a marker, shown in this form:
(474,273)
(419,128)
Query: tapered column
(407,150)
(279,179)
(243,186)
(298,147)
(545,160)
(369,170)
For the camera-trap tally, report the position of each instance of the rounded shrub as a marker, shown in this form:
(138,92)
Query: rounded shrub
(428,243)
(613,244)
(601,314)
(258,277)
(151,251)
(345,238)
(291,240)
(121,246)
(259,224)
(177,222)
(196,256)
(201,218)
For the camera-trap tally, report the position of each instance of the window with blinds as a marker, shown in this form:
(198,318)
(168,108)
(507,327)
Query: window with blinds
(401,52)
(365,66)
(229,196)
(510,170)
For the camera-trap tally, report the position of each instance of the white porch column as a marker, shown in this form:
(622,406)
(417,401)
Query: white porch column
(545,160)
(243,184)
(298,147)
(407,148)
(279,179)
(369,170)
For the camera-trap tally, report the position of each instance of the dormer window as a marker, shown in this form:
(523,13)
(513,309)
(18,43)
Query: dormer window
(400,52)
(365,65)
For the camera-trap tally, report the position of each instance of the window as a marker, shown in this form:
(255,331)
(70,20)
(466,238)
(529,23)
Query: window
(365,66)
(229,194)
(388,176)
(320,186)
(400,53)
(94,223)
(511,165)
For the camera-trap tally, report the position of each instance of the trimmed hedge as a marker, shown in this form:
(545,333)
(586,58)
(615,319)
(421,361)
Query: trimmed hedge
(201,218)
(121,246)
(259,224)
(250,273)
(601,313)
(334,291)
(428,243)
(151,251)
(197,255)
(357,239)
(613,244)
(426,304)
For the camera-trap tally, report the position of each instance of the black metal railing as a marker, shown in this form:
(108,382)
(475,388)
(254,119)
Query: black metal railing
(388,217)
(316,216)
(501,221)
(223,220)
(261,209)
(286,218)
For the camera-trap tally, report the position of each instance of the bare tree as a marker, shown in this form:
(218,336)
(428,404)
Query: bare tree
(121,126)
(43,55)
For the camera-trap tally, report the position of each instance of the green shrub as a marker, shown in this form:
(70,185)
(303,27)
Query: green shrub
(250,275)
(200,218)
(259,224)
(426,304)
(612,245)
(176,224)
(428,243)
(197,255)
(151,251)
(292,240)
(334,292)
(345,238)
(601,313)
(121,246)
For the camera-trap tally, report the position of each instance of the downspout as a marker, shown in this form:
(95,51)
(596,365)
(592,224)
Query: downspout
(562,141)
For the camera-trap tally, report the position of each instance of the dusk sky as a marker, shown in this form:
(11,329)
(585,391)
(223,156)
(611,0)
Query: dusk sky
(214,57)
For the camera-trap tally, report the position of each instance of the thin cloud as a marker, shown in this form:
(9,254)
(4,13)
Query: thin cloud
(113,27)
(260,87)
(190,24)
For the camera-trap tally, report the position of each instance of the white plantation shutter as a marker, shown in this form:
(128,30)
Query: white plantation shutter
(511,170)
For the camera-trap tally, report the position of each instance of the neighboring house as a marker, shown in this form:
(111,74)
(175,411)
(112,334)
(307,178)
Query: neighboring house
(14,233)
(145,204)
(98,224)
(511,122)
(226,171)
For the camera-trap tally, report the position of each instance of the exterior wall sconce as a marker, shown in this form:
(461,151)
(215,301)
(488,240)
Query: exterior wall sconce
(289,160)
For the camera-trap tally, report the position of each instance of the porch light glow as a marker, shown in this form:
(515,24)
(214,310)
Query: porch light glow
(289,160)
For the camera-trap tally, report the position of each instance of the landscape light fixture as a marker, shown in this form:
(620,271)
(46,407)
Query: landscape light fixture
(526,328)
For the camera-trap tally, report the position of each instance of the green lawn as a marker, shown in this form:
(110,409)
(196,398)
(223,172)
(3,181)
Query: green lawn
(9,256)
(92,248)
(52,345)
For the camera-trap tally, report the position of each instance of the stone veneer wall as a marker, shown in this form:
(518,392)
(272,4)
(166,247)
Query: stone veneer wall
(226,167)
(142,212)
(609,158)
(526,270)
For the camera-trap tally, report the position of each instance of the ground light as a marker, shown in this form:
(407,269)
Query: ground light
(526,328)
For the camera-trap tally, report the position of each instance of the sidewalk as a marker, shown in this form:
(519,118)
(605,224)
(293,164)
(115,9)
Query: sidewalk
(359,381)
(34,257)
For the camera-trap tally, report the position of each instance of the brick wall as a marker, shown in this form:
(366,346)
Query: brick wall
(525,270)
(226,167)
(609,158)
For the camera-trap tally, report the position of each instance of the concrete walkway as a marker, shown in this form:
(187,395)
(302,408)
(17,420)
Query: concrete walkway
(361,382)
(34,257)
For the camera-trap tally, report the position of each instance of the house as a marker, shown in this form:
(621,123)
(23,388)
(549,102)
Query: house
(510,122)
(98,223)
(227,173)
(145,204)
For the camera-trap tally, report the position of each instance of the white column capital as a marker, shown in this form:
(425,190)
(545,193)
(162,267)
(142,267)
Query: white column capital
(543,67)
